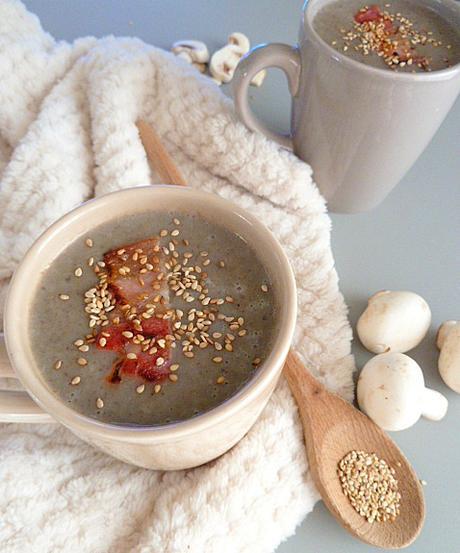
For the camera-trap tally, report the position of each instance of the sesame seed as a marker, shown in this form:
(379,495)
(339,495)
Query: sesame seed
(75,381)
(157,388)
(84,348)
(127,334)
(160,361)
(175,232)
(99,403)
(89,242)
(90,261)
(264,288)
(221,263)
(217,359)
(173,377)
(163,232)
(220,380)
(174,367)
(256,361)
(82,361)
(78,343)
(131,356)
(140,389)
(78,272)
(58,364)
(64,297)
(189,354)
(102,342)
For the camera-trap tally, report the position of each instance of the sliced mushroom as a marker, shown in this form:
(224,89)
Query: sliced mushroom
(223,63)
(193,51)
(241,41)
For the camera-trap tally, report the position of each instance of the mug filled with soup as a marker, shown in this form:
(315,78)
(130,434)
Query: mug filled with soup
(370,85)
(153,322)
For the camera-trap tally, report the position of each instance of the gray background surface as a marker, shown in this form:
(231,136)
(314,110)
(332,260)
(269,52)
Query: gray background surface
(412,241)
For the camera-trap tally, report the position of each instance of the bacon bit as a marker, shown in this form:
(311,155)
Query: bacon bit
(115,341)
(156,327)
(371,14)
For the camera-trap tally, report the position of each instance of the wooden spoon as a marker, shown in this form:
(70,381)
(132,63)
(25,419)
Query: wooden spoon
(332,426)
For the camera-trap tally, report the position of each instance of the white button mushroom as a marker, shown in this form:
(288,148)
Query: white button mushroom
(394,321)
(391,391)
(448,341)
(194,52)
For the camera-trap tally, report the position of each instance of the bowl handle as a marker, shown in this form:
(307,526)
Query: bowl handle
(17,406)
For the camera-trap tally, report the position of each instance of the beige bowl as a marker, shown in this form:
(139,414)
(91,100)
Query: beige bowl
(176,445)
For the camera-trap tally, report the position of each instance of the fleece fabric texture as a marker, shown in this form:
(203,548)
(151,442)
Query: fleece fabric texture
(67,133)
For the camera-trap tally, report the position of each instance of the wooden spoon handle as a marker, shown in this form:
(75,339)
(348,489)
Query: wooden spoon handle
(159,157)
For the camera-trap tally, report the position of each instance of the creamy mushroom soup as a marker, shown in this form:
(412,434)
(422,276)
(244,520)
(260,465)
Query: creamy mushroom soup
(152,318)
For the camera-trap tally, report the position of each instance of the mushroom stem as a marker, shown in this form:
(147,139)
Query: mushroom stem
(434,404)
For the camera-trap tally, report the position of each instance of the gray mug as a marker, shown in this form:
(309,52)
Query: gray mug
(361,128)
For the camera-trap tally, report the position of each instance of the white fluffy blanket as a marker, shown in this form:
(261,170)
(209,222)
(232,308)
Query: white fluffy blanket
(67,132)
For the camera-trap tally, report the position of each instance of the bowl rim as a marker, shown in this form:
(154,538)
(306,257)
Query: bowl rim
(14,328)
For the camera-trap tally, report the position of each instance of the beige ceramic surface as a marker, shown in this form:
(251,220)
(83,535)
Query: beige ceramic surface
(361,128)
(174,446)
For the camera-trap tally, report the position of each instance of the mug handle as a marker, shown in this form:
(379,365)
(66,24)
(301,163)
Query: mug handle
(17,406)
(282,56)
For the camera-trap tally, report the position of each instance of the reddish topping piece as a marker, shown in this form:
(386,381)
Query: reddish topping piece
(371,14)
(145,366)
(156,327)
(133,272)
(115,341)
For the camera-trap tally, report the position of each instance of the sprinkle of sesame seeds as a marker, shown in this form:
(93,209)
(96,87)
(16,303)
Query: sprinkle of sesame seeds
(58,364)
(75,381)
(89,242)
(370,485)
(82,361)
(140,389)
(78,272)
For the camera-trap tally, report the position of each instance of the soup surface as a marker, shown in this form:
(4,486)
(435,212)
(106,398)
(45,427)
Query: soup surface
(400,35)
(152,318)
